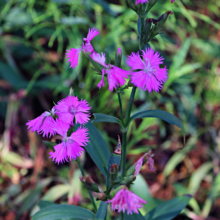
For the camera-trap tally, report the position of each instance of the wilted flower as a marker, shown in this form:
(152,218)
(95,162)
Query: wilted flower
(125,200)
(70,108)
(73,53)
(150,76)
(42,124)
(142,160)
(70,147)
(115,75)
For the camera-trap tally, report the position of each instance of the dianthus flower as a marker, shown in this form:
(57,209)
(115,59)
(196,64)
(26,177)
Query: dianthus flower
(141,1)
(149,76)
(126,200)
(70,147)
(115,75)
(70,108)
(73,53)
(43,123)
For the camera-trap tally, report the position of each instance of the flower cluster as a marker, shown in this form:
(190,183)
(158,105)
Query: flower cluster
(145,72)
(66,113)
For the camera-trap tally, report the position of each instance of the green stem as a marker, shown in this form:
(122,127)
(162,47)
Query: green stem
(123,154)
(120,106)
(127,116)
(90,194)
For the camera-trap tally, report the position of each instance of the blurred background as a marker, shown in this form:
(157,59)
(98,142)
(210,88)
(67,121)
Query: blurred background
(34,35)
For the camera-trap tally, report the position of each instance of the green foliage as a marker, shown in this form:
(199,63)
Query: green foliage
(55,212)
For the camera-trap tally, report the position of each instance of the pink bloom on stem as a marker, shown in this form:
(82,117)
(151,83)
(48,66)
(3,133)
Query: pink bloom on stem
(115,75)
(42,124)
(141,1)
(172,1)
(150,76)
(73,53)
(125,200)
(119,51)
(70,147)
(70,108)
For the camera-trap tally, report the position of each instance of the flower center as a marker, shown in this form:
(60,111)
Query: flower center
(149,69)
(65,139)
(73,109)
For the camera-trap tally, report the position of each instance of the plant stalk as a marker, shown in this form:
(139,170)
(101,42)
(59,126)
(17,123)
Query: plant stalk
(90,193)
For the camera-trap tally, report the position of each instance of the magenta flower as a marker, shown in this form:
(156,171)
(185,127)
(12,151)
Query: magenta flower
(70,147)
(141,1)
(172,1)
(43,123)
(71,108)
(73,53)
(149,76)
(115,75)
(126,200)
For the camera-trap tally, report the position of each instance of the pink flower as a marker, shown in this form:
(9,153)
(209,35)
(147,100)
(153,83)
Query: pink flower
(150,76)
(42,124)
(115,75)
(119,51)
(126,200)
(141,1)
(140,163)
(73,53)
(172,1)
(70,108)
(70,147)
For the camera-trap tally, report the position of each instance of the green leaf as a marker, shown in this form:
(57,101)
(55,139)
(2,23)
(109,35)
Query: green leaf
(55,212)
(56,192)
(43,204)
(134,216)
(12,77)
(50,144)
(101,213)
(97,148)
(198,176)
(99,117)
(140,188)
(168,210)
(166,116)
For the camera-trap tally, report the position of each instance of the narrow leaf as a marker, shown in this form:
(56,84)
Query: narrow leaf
(168,210)
(105,118)
(55,212)
(134,216)
(97,148)
(101,213)
(166,116)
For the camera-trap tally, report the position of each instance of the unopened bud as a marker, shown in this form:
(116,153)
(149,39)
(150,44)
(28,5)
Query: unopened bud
(114,168)
(127,180)
(89,183)
(71,92)
(118,58)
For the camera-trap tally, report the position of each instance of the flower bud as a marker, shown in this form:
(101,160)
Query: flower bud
(89,183)
(127,180)
(118,57)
